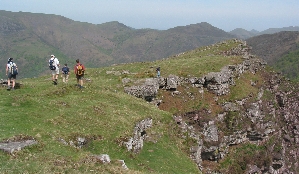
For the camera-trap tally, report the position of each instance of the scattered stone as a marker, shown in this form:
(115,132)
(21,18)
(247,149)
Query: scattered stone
(103,158)
(11,147)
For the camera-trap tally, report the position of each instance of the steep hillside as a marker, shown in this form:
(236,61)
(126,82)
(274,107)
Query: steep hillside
(215,109)
(31,38)
(231,117)
(280,50)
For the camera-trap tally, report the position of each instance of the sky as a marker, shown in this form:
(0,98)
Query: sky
(164,14)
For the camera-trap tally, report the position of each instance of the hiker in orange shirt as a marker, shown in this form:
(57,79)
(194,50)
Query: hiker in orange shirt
(79,70)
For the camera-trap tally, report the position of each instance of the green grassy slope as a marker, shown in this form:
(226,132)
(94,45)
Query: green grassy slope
(288,64)
(101,112)
(47,113)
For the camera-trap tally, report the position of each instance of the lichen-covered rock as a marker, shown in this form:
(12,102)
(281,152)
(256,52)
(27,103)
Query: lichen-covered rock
(172,82)
(135,143)
(147,91)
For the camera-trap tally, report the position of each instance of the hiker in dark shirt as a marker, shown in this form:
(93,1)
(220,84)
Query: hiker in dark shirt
(65,73)
(11,72)
(158,72)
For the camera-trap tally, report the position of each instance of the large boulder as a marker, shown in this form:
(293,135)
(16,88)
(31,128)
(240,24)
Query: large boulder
(172,82)
(219,82)
(147,91)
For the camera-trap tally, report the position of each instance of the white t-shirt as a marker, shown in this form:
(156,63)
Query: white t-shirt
(55,62)
(9,65)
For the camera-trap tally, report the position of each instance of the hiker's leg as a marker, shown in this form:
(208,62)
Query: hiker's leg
(81,82)
(82,77)
(66,78)
(56,74)
(13,82)
(56,77)
(53,75)
(8,82)
(63,78)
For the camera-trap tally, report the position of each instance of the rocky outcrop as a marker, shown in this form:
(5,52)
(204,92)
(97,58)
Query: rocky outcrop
(265,119)
(149,89)
(216,82)
(135,143)
(268,123)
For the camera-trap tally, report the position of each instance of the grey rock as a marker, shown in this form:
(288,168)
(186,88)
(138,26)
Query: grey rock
(11,147)
(135,143)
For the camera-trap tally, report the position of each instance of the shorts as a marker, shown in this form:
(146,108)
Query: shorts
(55,72)
(65,75)
(11,76)
(79,77)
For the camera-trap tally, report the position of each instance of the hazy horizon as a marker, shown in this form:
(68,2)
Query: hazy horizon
(162,15)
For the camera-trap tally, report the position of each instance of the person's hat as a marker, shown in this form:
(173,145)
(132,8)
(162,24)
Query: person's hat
(10,59)
(52,55)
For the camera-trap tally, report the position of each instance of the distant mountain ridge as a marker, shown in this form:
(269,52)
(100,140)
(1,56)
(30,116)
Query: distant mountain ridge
(31,38)
(244,34)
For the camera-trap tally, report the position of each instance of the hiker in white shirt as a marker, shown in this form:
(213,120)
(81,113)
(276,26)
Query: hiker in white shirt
(55,72)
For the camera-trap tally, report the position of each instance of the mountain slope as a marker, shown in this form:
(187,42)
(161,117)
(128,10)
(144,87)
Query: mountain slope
(31,38)
(220,111)
(103,115)
(280,50)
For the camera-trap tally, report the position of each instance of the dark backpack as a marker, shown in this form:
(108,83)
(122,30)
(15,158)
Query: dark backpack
(79,69)
(65,70)
(51,64)
(14,70)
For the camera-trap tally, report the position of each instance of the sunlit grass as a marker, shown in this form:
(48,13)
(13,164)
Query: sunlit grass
(104,113)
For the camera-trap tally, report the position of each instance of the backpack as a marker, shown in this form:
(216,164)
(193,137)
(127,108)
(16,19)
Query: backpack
(65,70)
(13,69)
(51,64)
(79,69)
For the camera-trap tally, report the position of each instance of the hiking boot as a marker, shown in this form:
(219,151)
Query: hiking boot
(8,87)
